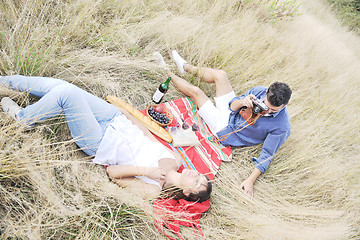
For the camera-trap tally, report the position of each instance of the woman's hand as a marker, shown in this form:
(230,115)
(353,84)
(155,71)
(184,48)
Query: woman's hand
(156,173)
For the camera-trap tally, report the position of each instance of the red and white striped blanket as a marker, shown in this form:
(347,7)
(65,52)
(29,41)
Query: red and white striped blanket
(205,158)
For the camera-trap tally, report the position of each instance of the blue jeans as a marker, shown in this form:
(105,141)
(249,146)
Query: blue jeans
(87,115)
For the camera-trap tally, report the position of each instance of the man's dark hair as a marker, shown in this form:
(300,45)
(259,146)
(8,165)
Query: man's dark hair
(278,93)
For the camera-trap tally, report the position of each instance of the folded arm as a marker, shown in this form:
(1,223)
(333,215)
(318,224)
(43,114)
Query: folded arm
(125,171)
(124,176)
(149,190)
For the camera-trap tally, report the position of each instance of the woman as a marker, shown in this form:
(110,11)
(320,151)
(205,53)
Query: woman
(132,155)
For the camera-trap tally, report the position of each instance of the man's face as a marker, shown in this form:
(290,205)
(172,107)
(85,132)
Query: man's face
(272,109)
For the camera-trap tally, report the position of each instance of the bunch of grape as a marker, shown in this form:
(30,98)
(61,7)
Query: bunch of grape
(157,116)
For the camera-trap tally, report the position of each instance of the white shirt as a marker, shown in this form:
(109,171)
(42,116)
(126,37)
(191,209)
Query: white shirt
(125,144)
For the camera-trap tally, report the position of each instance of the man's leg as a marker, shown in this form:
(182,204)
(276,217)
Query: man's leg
(215,117)
(209,75)
(194,92)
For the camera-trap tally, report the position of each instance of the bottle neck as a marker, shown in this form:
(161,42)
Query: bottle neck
(167,81)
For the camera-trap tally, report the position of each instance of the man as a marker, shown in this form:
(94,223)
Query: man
(225,120)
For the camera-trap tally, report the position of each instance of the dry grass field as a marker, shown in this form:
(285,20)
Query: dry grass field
(49,189)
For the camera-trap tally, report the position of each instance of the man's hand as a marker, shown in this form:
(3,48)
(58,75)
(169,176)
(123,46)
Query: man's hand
(245,102)
(248,184)
(248,187)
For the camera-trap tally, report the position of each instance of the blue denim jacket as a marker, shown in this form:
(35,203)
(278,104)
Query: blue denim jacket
(271,130)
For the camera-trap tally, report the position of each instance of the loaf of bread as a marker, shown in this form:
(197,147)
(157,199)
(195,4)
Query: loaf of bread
(145,120)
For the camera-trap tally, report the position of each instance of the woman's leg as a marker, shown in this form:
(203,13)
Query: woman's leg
(37,86)
(84,127)
(86,115)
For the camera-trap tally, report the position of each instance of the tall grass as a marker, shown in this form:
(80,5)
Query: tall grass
(50,189)
(348,12)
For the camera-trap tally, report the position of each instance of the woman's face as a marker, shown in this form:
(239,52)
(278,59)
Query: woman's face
(193,181)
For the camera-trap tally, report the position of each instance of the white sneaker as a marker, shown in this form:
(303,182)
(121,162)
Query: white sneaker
(10,107)
(159,59)
(179,61)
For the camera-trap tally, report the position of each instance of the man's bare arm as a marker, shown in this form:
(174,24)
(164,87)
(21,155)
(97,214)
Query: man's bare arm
(248,184)
(239,103)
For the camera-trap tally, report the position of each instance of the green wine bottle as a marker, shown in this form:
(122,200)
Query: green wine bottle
(160,92)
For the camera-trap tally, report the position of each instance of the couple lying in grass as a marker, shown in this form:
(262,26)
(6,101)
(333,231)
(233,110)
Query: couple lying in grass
(132,155)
